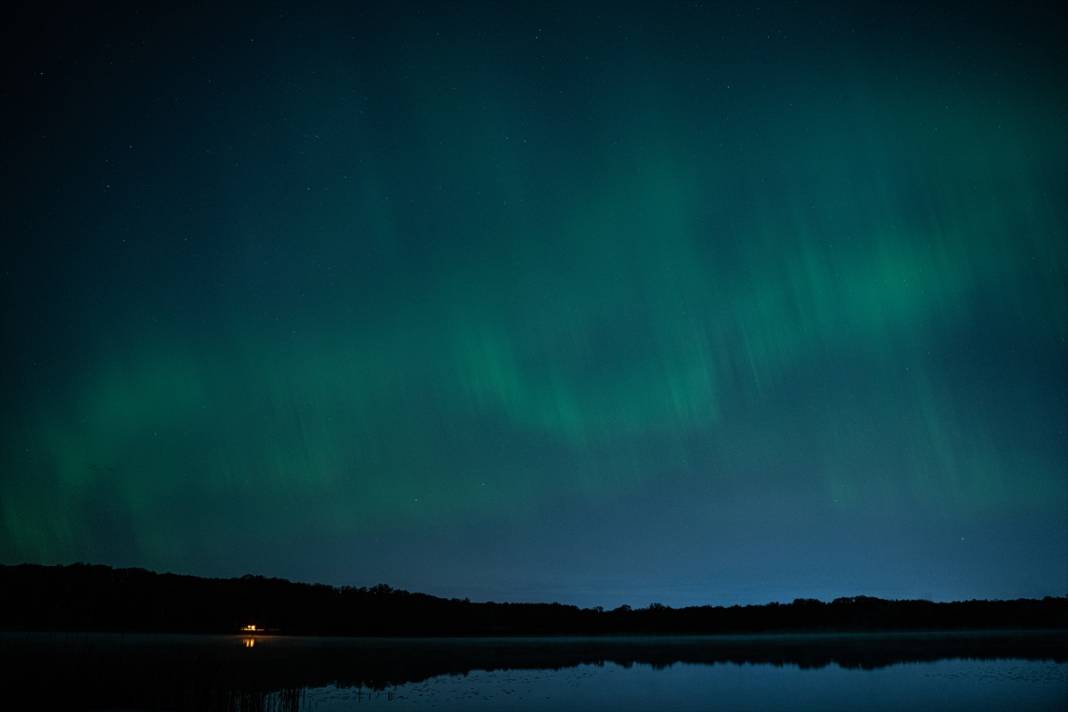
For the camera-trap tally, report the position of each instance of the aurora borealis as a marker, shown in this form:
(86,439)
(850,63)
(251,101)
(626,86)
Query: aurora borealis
(601,303)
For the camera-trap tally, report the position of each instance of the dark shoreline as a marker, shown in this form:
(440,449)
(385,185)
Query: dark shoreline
(99,598)
(187,671)
(556,639)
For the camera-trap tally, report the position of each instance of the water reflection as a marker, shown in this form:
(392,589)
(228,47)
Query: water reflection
(279,673)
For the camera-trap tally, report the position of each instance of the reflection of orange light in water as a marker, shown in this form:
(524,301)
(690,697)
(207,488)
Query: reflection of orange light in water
(250,642)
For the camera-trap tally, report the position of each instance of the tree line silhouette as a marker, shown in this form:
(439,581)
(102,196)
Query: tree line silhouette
(84,597)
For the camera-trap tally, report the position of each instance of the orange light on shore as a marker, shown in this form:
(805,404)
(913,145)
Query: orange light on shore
(250,628)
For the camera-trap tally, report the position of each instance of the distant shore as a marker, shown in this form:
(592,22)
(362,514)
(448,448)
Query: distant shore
(81,598)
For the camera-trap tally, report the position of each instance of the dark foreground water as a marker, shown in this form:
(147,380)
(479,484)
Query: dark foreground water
(1018,671)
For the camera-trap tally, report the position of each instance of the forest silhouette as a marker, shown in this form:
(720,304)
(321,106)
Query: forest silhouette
(84,597)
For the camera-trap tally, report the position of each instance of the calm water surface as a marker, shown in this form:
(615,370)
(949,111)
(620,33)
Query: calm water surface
(910,672)
(946,684)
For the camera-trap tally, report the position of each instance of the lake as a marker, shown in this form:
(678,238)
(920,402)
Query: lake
(972,671)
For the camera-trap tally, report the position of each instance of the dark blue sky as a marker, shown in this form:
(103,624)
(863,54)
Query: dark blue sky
(602,303)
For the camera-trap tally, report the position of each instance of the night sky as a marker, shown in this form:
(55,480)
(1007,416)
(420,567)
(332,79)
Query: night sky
(600,303)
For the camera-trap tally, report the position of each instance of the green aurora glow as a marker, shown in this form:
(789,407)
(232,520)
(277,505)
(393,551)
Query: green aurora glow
(323,305)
